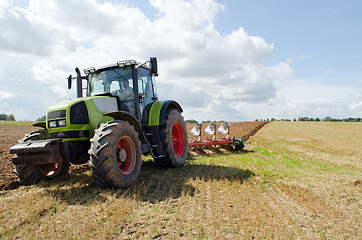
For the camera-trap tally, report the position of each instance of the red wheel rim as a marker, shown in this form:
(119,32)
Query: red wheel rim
(178,139)
(51,170)
(126,155)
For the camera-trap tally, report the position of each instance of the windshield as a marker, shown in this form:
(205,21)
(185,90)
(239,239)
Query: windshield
(111,80)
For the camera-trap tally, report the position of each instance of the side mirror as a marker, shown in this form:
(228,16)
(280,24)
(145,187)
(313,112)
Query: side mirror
(154,66)
(70,81)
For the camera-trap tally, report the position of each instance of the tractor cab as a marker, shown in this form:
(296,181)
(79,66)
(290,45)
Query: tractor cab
(131,83)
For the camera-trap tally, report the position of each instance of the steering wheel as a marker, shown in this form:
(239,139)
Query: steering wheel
(117,92)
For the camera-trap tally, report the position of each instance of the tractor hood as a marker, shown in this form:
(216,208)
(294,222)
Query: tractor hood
(76,119)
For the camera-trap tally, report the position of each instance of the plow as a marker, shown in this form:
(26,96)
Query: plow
(237,143)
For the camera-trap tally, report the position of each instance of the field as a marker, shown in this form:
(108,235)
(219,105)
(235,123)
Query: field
(11,132)
(294,180)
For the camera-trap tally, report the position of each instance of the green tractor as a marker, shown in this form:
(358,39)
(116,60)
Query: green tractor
(118,120)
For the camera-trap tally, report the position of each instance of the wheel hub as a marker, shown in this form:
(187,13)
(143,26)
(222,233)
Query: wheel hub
(178,139)
(126,155)
(122,155)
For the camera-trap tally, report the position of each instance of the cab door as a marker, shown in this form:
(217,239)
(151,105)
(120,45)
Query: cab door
(146,93)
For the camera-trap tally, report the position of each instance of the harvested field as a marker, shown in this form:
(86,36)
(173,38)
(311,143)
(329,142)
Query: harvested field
(294,180)
(9,136)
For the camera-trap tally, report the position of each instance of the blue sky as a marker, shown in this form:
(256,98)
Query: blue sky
(222,60)
(322,37)
(327,33)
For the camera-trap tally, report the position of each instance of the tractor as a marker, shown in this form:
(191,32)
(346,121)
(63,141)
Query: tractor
(119,119)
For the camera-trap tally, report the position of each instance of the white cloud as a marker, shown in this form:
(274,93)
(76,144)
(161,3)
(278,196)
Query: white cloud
(329,71)
(306,99)
(26,32)
(355,106)
(212,75)
(301,57)
(221,69)
(5,95)
(54,78)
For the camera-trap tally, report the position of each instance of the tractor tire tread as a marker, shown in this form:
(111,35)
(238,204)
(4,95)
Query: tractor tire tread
(171,160)
(103,159)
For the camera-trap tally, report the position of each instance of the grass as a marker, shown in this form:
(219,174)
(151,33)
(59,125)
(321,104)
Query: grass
(293,181)
(15,123)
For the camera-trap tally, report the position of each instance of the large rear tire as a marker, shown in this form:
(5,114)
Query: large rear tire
(31,174)
(115,154)
(174,140)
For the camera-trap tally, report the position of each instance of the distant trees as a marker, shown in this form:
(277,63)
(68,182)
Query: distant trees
(350,119)
(300,119)
(191,121)
(329,119)
(307,119)
(41,119)
(5,117)
(207,121)
(326,119)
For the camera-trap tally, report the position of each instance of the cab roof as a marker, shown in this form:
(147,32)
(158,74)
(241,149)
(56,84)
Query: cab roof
(118,64)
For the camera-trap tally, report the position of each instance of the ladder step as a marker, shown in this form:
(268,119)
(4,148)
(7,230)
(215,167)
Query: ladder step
(154,146)
(161,156)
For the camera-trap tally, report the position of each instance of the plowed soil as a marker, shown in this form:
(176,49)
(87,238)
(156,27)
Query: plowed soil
(9,136)
(242,130)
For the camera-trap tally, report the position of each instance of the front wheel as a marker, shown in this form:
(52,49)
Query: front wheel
(174,140)
(115,154)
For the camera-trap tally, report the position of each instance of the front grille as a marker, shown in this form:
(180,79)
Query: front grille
(79,113)
(70,134)
(56,114)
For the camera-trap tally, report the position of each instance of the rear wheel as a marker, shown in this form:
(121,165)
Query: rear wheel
(174,140)
(31,174)
(115,154)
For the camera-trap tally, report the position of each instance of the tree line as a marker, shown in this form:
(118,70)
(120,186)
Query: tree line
(207,121)
(301,119)
(5,117)
(307,119)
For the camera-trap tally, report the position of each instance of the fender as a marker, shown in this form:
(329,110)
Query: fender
(159,109)
(121,115)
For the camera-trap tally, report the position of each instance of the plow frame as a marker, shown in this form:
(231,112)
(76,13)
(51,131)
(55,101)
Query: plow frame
(237,143)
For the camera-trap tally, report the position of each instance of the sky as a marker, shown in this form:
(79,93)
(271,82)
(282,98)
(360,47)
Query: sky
(225,60)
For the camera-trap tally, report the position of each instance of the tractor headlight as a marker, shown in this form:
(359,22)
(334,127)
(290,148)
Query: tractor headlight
(53,124)
(61,123)
(57,123)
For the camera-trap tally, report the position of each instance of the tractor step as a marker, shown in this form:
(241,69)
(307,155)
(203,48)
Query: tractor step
(161,156)
(153,137)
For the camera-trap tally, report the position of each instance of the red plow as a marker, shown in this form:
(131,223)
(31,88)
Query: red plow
(237,143)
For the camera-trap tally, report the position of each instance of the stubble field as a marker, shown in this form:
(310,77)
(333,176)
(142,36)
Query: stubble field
(294,180)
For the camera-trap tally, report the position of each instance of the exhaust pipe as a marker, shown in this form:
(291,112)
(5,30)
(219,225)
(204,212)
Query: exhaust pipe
(79,84)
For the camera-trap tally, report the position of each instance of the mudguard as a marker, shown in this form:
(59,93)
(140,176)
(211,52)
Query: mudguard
(158,111)
(122,115)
